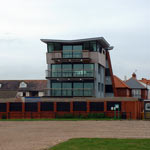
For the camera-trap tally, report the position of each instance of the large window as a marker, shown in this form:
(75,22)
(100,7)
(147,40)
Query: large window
(72,70)
(78,70)
(53,47)
(56,70)
(70,89)
(56,89)
(88,89)
(92,46)
(77,89)
(66,89)
(66,70)
(72,51)
(88,70)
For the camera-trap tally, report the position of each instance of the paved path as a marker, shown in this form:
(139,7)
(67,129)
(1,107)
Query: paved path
(38,135)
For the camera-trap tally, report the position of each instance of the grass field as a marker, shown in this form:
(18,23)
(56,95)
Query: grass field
(103,144)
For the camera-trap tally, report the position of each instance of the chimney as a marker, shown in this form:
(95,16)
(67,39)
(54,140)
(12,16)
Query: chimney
(133,75)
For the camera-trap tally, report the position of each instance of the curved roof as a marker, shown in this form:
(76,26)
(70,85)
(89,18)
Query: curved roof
(101,40)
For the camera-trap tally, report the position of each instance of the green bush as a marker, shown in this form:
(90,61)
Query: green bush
(96,115)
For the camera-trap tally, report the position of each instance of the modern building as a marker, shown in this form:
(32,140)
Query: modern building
(79,68)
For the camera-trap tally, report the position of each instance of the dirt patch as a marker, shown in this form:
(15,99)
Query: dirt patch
(38,135)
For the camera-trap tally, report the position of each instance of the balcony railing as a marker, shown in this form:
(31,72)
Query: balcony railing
(70,92)
(73,54)
(63,73)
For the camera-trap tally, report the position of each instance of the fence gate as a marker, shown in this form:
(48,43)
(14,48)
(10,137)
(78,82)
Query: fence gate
(147,109)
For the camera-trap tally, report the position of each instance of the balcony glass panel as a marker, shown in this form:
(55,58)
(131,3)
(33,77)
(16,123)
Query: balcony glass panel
(56,70)
(78,70)
(67,51)
(66,70)
(77,51)
(88,89)
(88,70)
(66,89)
(56,89)
(78,89)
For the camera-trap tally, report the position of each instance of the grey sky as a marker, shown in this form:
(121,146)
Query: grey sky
(125,24)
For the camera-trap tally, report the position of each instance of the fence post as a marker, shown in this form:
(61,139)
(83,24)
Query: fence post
(39,109)
(8,105)
(55,108)
(23,109)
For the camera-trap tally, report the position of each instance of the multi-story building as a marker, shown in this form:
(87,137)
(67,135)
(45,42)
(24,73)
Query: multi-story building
(79,68)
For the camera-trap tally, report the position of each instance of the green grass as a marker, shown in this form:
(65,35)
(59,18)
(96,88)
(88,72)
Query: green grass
(103,144)
(60,119)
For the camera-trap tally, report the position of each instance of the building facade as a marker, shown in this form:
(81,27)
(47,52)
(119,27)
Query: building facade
(79,68)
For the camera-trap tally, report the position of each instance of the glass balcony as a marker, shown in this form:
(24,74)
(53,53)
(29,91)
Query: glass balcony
(69,73)
(69,92)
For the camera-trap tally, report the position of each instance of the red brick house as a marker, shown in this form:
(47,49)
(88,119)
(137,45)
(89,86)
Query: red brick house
(122,90)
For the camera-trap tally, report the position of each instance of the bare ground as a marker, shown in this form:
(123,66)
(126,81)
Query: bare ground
(38,135)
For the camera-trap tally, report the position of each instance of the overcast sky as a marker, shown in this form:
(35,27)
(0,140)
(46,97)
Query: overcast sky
(125,24)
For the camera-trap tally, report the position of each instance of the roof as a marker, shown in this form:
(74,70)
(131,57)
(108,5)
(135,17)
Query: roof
(119,83)
(145,81)
(32,85)
(133,83)
(101,40)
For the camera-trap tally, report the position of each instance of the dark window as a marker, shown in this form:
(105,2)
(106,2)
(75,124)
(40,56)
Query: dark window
(15,106)
(50,47)
(66,89)
(47,106)
(79,106)
(66,70)
(57,46)
(96,106)
(93,46)
(112,104)
(63,106)
(56,70)
(99,87)
(86,45)
(107,72)
(32,107)
(3,107)
(88,89)
(108,89)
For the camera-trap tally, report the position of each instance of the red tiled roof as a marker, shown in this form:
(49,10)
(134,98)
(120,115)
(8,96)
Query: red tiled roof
(145,81)
(119,83)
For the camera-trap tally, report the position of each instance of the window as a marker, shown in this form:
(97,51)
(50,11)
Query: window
(88,89)
(72,51)
(0,85)
(22,85)
(99,87)
(56,89)
(77,51)
(50,47)
(56,70)
(78,70)
(93,46)
(53,47)
(66,70)
(66,89)
(88,70)
(136,93)
(147,106)
(77,89)
(108,89)
(107,72)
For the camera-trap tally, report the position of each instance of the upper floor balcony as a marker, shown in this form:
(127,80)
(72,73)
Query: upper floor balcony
(72,74)
(69,56)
